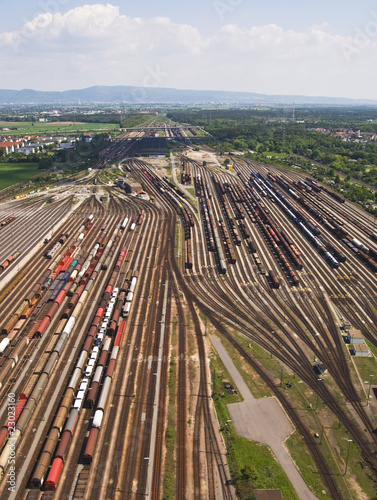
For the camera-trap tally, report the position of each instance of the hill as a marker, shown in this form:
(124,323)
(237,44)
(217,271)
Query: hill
(142,95)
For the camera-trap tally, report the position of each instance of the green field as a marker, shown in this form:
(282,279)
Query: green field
(12,173)
(54,127)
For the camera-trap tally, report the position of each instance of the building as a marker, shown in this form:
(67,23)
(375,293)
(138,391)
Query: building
(120,182)
(10,146)
(67,145)
(87,138)
(320,368)
(359,350)
(156,146)
(346,325)
(26,150)
(355,337)
(132,187)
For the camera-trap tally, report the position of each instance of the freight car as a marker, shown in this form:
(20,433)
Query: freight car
(273,279)
(8,261)
(124,223)
(61,417)
(367,260)
(7,221)
(340,232)
(331,260)
(76,376)
(188,264)
(373,253)
(359,245)
(334,195)
(337,254)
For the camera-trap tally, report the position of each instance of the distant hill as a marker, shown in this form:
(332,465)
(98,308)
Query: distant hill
(142,95)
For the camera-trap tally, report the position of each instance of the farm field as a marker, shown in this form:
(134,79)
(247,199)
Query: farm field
(53,127)
(12,173)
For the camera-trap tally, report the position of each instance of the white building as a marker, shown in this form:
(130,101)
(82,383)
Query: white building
(67,145)
(26,150)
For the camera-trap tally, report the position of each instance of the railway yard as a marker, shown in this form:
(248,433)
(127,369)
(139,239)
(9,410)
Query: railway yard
(105,303)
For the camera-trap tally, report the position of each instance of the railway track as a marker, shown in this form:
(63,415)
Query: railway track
(224,281)
(343,372)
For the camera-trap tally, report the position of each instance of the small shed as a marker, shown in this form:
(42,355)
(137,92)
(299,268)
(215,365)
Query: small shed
(320,368)
(346,325)
(355,336)
(360,350)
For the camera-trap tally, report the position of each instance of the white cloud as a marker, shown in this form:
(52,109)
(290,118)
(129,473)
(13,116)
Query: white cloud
(103,24)
(96,44)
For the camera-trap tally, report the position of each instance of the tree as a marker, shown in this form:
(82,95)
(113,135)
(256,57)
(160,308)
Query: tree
(45,163)
(2,152)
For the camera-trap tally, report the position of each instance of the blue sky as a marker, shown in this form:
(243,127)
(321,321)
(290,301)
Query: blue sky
(290,14)
(272,47)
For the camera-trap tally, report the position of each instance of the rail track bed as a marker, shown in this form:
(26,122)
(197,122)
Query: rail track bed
(102,342)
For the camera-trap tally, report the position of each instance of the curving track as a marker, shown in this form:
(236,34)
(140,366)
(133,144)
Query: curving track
(226,281)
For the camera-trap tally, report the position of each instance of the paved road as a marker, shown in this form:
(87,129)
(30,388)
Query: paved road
(262,420)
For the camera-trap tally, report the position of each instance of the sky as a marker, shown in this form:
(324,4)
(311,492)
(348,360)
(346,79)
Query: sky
(321,48)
